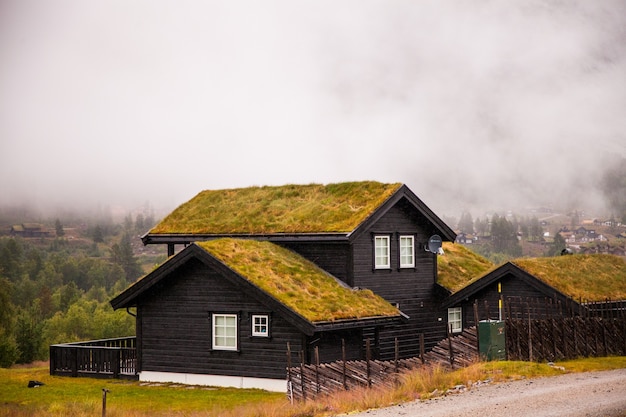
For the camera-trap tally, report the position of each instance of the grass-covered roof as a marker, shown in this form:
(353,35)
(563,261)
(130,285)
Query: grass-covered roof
(582,277)
(460,265)
(296,282)
(312,208)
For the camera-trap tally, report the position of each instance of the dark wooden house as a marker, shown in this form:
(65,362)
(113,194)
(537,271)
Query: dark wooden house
(29,230)
(370,238)
(539,287)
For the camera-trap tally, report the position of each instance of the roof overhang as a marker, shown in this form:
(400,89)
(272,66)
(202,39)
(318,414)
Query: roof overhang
(326,326)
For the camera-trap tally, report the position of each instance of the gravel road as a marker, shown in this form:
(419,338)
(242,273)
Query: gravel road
(573,395)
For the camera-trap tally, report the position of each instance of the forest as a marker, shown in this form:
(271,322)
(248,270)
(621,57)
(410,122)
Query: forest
(56,289)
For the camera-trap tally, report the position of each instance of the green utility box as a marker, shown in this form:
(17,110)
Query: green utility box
(491,340)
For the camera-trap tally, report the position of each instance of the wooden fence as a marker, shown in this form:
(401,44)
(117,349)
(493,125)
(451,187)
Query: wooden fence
(537,330)
(310,380)
(564,338)
(106,358)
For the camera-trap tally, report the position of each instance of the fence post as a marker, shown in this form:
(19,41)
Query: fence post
(74,361)
(117,357)
(396,354)
(317,371)
(422,348)
(302,384)
(530,338)
(368,355)
(450,344)
(288,362)
(343,360)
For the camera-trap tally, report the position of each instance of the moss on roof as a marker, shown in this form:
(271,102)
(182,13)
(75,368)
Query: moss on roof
(310,208)
(296,282)
(459,265)
(583,277)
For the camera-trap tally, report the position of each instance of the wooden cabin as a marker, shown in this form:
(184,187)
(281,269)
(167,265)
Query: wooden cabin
(539,288)
(368,238)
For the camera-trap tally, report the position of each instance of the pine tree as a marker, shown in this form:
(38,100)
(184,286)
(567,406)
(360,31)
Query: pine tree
(59,228)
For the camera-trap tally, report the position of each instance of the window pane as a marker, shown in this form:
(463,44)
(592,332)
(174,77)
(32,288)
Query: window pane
(381,251)
(260,325)
(225,331)
(455,319)
(406,252)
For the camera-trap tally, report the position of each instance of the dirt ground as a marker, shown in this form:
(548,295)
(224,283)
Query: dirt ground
(573,395)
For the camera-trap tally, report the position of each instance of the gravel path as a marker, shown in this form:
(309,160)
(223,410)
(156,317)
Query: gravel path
(573,395)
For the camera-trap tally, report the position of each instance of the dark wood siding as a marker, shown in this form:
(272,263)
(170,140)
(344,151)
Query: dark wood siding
(414,289)
(333,257)
(330,349)
(176,328)
(521,296)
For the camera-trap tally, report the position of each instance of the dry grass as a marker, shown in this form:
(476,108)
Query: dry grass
(310,208)
(65,396)
(296,282)
(459,265)
(582,277)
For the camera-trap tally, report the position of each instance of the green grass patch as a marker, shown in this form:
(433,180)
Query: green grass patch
(83,396)
(582,277)
(297,282)
(459,265)
(312,208)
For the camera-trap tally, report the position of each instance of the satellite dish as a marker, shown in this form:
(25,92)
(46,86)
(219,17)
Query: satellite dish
(434,244)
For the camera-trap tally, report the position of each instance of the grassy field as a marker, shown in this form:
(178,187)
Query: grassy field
(81,397)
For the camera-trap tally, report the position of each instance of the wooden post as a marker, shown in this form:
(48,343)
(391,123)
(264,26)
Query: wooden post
(288,361)
(530,338)
(422,347)
(368,355)
(317,366)
(117,359)
(74,353)
(476,313)
(302,384)
(343,358)
(396,354)
(450,344)
(476,323)
(104,402)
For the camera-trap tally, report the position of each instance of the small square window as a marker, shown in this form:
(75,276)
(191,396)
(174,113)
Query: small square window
(260,326)
(455,319)
(224,331)
(407,252)
(381,252)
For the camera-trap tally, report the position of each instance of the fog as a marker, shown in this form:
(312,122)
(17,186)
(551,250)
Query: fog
(474,104)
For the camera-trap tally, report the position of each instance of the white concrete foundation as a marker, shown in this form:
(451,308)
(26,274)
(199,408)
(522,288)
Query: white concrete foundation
(275,385)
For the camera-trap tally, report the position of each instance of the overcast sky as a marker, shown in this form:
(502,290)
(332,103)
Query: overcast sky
(471,103)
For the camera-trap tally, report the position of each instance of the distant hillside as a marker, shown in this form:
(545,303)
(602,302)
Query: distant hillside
(459,265)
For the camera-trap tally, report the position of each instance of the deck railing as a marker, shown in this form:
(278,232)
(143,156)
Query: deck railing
(106,358)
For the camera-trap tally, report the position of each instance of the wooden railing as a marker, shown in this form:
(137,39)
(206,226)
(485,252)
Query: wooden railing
(106,358)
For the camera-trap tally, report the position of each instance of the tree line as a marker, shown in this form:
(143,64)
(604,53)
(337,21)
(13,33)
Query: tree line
(502,236)
(56,290)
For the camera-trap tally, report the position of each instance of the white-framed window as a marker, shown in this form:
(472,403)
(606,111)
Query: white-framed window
(381,252)
(260,325)
(224,331)
(455,319)
(407,252)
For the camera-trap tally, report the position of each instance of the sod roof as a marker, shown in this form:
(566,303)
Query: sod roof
(593,277)
(296,282)
(459,265)
(313,208)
